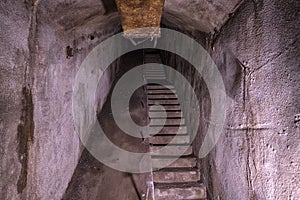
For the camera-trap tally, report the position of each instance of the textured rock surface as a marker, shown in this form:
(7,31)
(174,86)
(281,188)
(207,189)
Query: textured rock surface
(201,15)
(92,179)
(41,55)
(14,61)
(257,52)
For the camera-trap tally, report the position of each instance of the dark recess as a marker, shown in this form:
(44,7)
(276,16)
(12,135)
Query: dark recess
(69,52)
(25,136)
(110,6)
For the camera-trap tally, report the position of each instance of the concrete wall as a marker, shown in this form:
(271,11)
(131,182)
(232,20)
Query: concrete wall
(39,146)
(258,54)
(15,130)
(257,155)
(92,179)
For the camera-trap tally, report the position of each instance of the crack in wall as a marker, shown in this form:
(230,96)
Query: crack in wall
(246,118)
(25,134)
(216,34)
(249,131)
(25,137)
(32,44)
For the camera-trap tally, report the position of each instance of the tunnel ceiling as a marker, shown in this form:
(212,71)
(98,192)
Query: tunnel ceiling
(200,15)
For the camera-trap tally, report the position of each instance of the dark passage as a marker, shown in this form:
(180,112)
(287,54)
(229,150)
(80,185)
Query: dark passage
(93,180)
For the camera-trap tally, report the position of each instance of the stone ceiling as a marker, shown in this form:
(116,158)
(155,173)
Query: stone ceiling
(200,15)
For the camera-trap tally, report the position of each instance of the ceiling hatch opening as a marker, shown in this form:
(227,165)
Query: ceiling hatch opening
(140,19)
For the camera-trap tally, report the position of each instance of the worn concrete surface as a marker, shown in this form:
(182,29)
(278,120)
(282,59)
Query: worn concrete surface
(258,154)
(92,179)
(199,15)
(257,52)
(39,146)
(14,61)
(189,192)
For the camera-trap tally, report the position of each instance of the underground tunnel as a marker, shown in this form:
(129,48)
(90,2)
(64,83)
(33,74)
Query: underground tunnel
(215,116)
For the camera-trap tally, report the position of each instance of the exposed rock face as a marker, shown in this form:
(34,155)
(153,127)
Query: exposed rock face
(14,126)
(199,15)
(43,47)
(257,52)
(92,179)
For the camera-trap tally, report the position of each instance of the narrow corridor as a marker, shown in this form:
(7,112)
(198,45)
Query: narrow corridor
(232,115)
(180,179)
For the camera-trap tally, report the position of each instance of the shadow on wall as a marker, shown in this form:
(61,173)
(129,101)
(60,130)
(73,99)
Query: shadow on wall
(233,81)
(92,179)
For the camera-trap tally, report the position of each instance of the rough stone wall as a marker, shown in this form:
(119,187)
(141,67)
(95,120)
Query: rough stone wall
(92,179)
(257,51)
(257,155)
(14,96)
(204,15)
(39,147)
